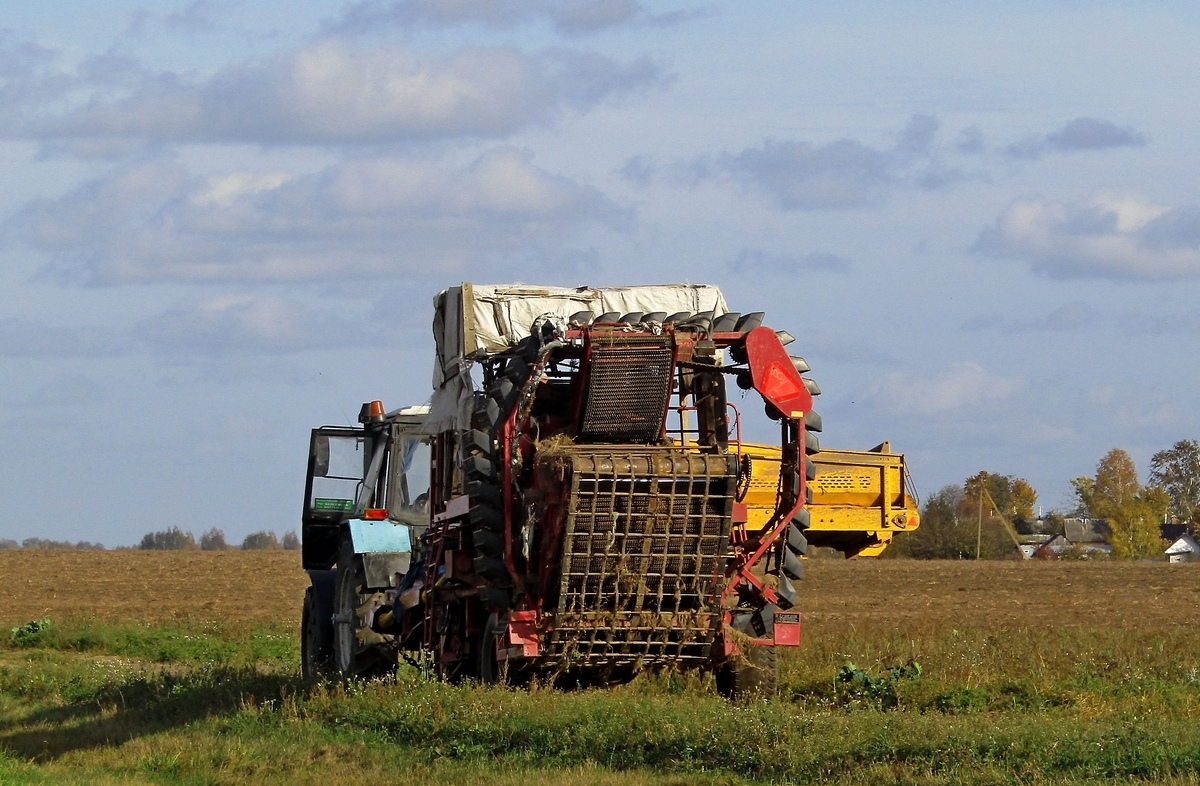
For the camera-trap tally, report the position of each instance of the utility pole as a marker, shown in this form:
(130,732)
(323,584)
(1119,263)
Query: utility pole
(979,526)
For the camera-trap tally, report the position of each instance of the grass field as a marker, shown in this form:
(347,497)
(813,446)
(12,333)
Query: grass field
(162,667)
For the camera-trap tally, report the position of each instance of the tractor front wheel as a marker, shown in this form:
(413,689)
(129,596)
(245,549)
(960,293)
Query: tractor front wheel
(358,651)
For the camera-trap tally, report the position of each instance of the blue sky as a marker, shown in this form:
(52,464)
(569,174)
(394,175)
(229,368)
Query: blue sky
(224,222)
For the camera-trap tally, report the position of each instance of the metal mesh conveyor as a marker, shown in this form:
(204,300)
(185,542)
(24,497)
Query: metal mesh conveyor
(646,541)
(629,384)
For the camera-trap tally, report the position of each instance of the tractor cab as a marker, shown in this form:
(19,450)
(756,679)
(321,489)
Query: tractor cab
(375,476)
(366,506)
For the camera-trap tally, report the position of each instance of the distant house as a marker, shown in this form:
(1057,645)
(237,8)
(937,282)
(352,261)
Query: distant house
(1051,548)
(1083,537)
(1081,531)
(1184,549)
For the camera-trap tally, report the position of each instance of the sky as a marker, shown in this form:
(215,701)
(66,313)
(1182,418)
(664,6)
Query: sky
(223,223)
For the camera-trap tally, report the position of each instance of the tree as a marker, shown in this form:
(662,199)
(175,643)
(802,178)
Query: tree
(998,487)
(1083,487)
(213,540)
(1054,524)
(291,541)
(260,541)
(1135,530)
(46,543)
(1014,497)
(940,535)
(1177,471)
(173,539)
(1133,511)
(1116,484)
(1021,503)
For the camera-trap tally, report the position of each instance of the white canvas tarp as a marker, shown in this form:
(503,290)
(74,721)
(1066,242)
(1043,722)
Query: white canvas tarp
(494,317)
(498,316)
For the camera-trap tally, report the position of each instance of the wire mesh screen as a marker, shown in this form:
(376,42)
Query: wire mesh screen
(645,548)
(629,383)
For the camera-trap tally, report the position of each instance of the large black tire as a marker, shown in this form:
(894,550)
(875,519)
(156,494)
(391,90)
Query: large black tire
(316,637)
(493,671)
(752,676)
(358,651)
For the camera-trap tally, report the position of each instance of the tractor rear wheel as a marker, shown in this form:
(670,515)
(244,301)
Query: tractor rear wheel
(752,676)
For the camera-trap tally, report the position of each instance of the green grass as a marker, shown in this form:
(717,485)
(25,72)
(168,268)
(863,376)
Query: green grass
(209,705)
(207,643)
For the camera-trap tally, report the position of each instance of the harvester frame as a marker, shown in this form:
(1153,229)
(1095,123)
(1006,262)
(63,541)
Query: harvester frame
(569,532)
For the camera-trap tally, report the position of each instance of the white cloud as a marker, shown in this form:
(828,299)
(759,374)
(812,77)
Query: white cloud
(155,221)
(965,384)
(21,59)
(224,190)
(328,91)
(1106,237)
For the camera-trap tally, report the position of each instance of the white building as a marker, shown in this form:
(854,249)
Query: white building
(1186,549)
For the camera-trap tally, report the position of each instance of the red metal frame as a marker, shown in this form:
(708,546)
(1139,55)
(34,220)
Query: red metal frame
(776,380)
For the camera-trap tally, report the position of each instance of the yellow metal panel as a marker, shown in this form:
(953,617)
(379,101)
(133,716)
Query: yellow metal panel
(855,491)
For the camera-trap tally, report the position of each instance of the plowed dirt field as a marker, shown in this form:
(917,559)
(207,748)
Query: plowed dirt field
(262,587)
(151,587)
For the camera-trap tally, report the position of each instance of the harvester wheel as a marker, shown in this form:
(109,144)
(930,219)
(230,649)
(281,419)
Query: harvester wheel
(484,473)
(493,671)
(753,676)
(316,637)
(358,651)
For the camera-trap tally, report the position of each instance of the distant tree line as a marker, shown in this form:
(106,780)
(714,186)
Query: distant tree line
(980,518)
(43,543)
(172,539)
(175,539)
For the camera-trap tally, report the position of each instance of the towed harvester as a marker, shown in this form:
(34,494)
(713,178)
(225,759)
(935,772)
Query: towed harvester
(571,505)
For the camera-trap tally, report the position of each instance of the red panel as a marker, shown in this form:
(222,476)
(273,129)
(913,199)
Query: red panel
(787,629)
(523,633)
(774,375)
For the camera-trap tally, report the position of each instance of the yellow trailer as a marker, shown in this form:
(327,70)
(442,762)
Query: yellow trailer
(860,498)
